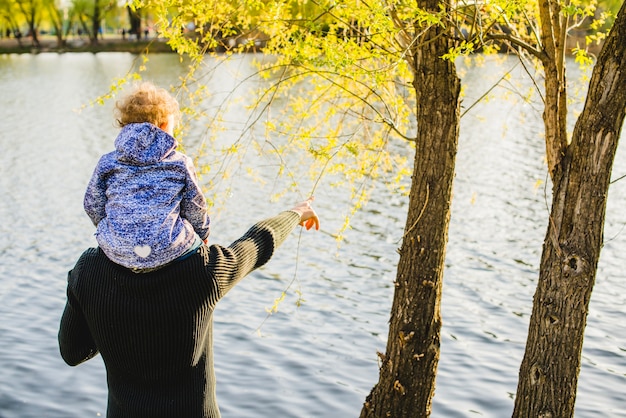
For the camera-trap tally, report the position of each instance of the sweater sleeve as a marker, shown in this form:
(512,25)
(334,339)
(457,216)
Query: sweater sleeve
(252,250)
(193,206)
(75,341)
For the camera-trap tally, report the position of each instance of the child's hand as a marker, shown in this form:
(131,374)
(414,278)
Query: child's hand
(308,217)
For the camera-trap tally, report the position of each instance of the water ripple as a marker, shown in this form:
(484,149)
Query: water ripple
(316,356)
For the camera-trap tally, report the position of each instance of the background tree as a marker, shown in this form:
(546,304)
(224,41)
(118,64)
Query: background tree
(55,16)
(134,19)
(31,11)
(9,14)
(60,18)
(96,18)
(89,14)
(82,16)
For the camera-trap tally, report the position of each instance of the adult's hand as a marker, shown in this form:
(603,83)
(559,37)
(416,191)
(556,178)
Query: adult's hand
(308,217)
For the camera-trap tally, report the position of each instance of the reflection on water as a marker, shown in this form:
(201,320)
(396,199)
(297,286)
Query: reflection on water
(317,360)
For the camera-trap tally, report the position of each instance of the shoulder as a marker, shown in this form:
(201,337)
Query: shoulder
(107,162)
(85,259)
(89,257)
(108,157)
(183,162)
(178,159)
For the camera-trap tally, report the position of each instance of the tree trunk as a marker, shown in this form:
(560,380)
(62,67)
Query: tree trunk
(29,11)
(134,16)
(549,371)
(56,18)
(33,33)
(553,26)
(95,22)
(408,370)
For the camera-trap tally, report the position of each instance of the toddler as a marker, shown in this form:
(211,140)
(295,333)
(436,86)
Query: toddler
(144,197)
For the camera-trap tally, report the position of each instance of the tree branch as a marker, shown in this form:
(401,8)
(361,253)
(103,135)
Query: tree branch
(519,43)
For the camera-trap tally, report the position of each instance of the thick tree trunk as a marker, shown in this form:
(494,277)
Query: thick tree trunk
(407,374)
(549,371)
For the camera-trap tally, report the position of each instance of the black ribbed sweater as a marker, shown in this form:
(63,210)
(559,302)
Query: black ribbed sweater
(154,330)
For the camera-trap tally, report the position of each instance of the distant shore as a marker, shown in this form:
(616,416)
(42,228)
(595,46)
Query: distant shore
(115,43)
(76,44)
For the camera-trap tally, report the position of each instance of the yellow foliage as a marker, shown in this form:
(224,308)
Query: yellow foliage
(277,302)
(337,102)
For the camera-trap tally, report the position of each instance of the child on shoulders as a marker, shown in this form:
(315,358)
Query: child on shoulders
(144,197)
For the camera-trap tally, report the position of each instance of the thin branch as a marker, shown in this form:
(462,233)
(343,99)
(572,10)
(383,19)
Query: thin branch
(537,88)
(618,179)
(518,42)
(488,91)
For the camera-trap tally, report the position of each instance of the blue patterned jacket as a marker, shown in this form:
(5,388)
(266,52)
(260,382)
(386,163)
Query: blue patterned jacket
(145,200)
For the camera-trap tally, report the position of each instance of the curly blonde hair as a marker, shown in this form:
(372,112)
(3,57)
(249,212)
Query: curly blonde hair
(146,103)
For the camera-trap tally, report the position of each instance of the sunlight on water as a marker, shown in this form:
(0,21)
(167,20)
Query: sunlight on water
(319,359)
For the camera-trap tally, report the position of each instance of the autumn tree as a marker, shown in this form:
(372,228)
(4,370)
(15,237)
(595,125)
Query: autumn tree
(89,14)
(82,14)
(55,16)
(31,11)
(134,18)
(96,17)
(581,175)
(579,168)
(408,368)
(365,73)
(8,14)
(539,31)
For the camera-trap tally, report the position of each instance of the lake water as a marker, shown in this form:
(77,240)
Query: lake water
(318,359)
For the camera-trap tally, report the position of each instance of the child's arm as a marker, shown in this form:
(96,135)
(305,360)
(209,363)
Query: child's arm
(193,206)
(95,196)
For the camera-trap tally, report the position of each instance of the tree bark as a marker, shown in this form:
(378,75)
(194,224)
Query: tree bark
(553,36)
(408,370)
(549,371)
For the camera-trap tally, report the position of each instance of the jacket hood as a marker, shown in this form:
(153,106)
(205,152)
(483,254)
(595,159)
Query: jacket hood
(143,144)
